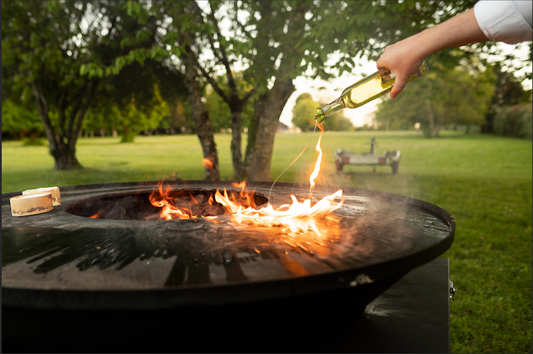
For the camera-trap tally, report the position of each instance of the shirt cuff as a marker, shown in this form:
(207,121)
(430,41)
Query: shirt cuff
(501,21)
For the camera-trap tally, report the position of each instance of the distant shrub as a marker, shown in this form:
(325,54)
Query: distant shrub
(128,137)
(35,142)
(514,121)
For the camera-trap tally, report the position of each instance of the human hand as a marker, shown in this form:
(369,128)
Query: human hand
(403,59)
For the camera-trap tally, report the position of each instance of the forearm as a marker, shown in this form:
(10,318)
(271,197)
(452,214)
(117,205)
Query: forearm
(460,30)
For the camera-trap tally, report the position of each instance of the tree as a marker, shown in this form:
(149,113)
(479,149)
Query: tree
(280,40)
(179,120)
(303,114)
(440,98)
(41,55)
(56,51)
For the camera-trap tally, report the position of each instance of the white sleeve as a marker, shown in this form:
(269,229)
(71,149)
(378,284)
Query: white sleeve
(505,21)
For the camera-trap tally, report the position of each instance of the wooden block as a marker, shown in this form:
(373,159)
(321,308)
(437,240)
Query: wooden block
(56,196)
(31,204)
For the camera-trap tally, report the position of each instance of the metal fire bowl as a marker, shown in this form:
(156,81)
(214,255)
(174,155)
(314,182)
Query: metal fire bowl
(61,260)
(67,263)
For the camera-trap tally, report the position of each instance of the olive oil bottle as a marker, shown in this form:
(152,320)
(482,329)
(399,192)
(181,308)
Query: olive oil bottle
(365,90)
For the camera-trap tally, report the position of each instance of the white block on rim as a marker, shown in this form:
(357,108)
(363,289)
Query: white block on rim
(31,204)
(56,196)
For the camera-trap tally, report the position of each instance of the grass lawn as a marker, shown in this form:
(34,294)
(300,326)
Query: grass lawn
(485,182)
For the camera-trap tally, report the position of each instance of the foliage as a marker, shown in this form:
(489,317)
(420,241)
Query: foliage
(40,63)
(218,109)
(338,122)
(303,112)
(508,92)
(46,49)
(179,120)
(440,98)
(19,120)
(514,121)
(129,115)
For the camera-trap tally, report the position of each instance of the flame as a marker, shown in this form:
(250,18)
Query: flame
(97,215)
(318,160)
(164,201)
(296,218)
(208,164)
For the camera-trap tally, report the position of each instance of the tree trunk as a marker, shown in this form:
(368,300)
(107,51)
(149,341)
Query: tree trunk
(202,124)
(64,157)
(431,128)
(268,108)
(236,143)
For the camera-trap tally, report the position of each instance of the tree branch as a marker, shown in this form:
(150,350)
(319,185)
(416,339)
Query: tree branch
(236,19)
(213,83)
(42,107)
(223,55)
(249,95)
(73,137)
(76,108)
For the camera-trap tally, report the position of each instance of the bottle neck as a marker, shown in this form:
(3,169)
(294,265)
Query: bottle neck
(333,107)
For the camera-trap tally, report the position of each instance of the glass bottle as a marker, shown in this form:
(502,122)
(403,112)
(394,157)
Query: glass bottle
(365,90)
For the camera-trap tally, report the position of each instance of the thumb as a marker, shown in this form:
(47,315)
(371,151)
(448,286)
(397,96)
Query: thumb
(398,86)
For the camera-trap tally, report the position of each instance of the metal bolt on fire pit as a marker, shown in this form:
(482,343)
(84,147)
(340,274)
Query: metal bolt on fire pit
(452,290)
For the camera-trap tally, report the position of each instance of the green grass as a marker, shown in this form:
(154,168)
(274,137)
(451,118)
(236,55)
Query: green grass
(485,182)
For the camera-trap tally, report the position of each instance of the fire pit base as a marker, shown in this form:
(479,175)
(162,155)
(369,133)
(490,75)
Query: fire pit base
(245,327)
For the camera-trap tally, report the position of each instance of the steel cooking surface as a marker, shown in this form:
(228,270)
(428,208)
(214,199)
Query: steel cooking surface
(379,235)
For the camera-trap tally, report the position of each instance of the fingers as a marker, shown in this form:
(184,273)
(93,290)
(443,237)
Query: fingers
(398,86)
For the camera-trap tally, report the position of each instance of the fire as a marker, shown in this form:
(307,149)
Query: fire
(318,160)
(296,218)
(208,164)
(165,202)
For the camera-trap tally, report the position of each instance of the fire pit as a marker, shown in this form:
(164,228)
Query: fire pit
(68,277)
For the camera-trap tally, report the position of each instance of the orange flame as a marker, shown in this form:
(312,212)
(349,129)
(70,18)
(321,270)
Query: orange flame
(168,210)
(297,218)
(318,160)
(208,164)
